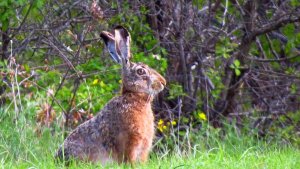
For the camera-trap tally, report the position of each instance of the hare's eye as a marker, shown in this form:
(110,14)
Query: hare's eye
(140,71)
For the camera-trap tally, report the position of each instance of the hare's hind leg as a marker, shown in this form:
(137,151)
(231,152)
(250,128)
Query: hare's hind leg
(97,155)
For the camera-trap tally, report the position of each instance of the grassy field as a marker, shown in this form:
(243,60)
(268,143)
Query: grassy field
(22,145)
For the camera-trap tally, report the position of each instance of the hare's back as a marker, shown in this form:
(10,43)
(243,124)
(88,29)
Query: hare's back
(96,138)
(99,130)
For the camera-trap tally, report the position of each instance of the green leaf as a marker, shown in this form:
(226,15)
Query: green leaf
(293,88)
(289,31)
(5,25)
(27,68)
(4,4)
(237,72)
(295,3)
(226,55)
(176,90)
(236,63)
(289,46)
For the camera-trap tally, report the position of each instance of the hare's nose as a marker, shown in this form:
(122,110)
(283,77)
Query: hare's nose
(159,80)
(162,80)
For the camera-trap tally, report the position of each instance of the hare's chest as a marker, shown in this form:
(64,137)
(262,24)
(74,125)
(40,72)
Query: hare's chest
(139,120)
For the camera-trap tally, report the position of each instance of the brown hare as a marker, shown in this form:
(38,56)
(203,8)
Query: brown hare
(123,130)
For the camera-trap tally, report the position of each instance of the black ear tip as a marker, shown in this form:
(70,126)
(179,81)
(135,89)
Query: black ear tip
(119,27)
(104,37)
(122,29)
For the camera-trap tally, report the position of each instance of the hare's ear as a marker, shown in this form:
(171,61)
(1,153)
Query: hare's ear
(110,43)
(122,38)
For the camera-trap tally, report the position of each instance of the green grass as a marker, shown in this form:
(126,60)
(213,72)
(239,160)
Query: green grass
(22,147)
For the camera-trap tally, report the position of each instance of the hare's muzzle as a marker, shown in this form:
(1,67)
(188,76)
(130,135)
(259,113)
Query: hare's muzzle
(159,82)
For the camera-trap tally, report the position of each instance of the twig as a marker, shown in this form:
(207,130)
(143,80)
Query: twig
(272,60)
(224,14)
(23,21)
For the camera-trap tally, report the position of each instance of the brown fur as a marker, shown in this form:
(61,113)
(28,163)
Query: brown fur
(123,130)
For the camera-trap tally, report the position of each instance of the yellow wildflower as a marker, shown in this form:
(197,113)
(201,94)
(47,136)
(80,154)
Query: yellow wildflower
(160,125)
(102,84)
(173,122)
(160,122)
(95,81)
(160,128)
(202,116)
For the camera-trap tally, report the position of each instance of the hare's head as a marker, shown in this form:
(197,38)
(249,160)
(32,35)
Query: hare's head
(137,77)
